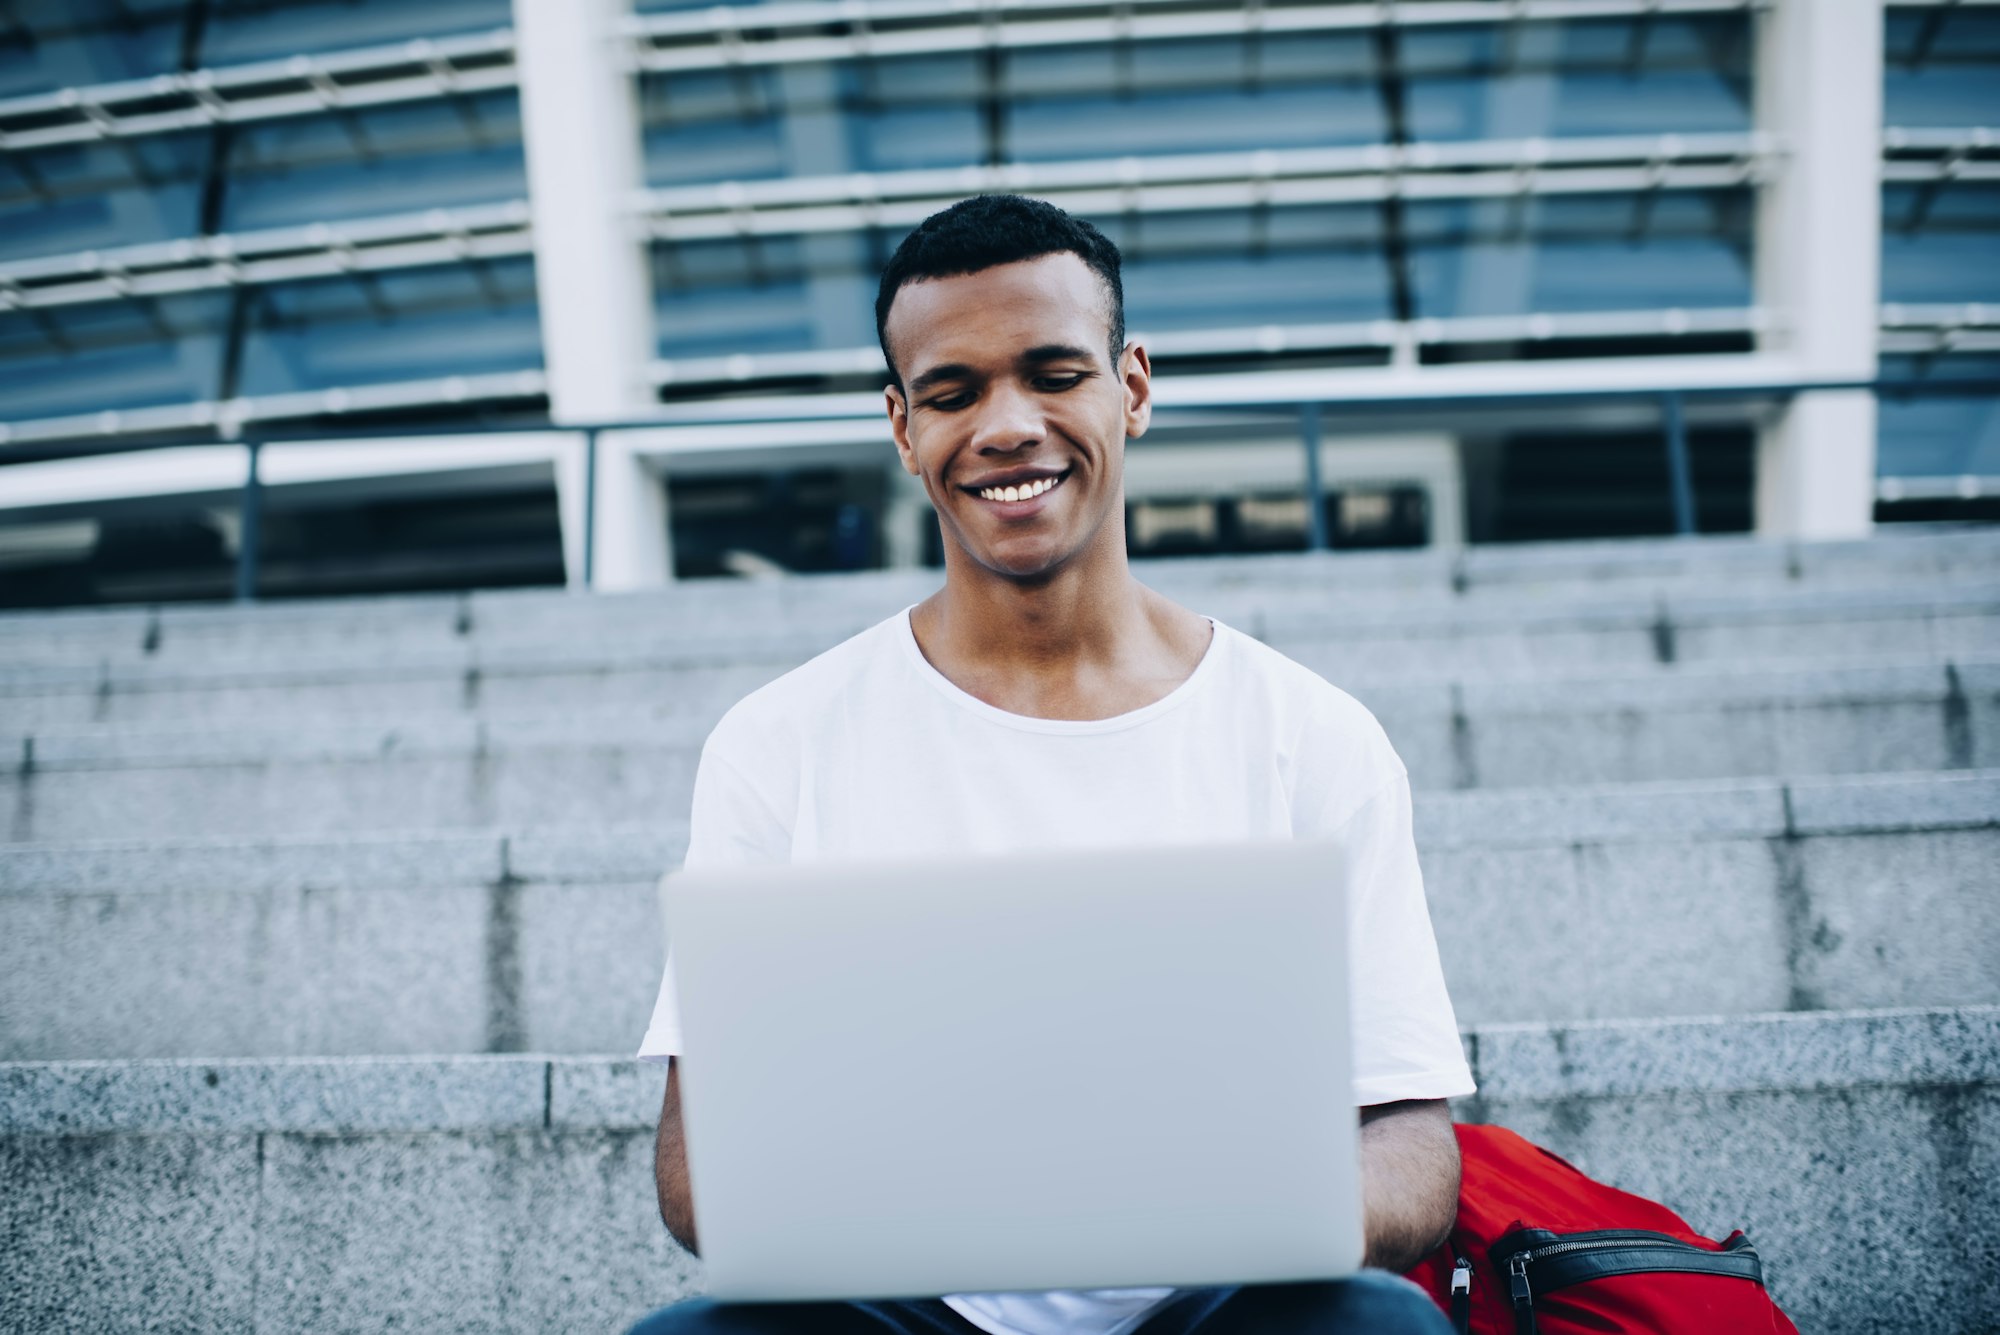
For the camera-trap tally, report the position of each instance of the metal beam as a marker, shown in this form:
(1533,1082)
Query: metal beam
(250,525)
(812,205)
(1929,330)
(1267,340)
(1194,182)
(227,418)
(276,255)
(1680,469)
(835,30)
(1309,440)
(265,90)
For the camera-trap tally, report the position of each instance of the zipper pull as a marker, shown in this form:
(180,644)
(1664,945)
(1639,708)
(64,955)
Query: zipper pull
(1461,1277)
(1524,1297)
(1517,1281)
(1461,1296)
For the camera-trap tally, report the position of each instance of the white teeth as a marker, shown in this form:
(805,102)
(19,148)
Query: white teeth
(1020,493)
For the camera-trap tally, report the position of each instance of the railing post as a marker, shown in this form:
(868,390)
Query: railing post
(1315,489)
(1680,471)
(249,527)
(589,505)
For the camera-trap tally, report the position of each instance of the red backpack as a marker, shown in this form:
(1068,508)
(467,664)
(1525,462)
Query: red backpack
(1540,1249)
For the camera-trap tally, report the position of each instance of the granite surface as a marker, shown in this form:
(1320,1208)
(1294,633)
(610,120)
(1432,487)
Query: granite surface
(304,1094)
(1668,899)
(529,740)
(604,768)
(1828,1137)
(1800,1053)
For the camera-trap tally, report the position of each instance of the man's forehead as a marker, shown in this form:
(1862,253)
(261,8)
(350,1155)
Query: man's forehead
(1050,299)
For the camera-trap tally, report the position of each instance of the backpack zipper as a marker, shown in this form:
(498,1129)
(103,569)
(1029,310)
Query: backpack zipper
(1558,1260)
(1523,1295)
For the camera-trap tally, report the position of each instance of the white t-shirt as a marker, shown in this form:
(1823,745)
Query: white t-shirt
(869,751)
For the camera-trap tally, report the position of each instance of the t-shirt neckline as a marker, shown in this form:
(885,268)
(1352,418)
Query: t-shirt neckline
(1061,726)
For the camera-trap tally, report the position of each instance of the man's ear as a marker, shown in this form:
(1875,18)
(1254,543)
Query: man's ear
(899,426)
(1135,372)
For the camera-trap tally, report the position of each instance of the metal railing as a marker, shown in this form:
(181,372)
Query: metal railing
(1310,412)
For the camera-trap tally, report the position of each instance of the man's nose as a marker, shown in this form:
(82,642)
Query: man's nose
(1009,419)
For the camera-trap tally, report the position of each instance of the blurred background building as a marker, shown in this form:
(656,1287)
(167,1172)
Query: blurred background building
(1516,269)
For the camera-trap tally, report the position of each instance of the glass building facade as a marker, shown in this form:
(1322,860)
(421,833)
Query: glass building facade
(274,220)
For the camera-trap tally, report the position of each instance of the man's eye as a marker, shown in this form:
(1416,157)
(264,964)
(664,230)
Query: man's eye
(1063,381)
(949,403)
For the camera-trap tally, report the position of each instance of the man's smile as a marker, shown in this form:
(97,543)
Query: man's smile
(1017,493)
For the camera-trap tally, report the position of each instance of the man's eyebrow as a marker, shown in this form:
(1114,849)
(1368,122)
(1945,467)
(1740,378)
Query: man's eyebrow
(939,375)
(1055,352)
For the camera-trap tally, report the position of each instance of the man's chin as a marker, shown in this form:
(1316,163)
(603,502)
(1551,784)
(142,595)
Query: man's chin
(1023,564)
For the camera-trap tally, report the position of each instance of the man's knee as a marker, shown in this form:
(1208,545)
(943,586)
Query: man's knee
(1376,1300)
(1373,1302)
(703,1316)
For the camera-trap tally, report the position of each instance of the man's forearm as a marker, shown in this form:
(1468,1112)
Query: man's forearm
(670,1165)
(1409,1180)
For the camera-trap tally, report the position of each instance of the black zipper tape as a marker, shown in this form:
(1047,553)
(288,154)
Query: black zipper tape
(1541,1260)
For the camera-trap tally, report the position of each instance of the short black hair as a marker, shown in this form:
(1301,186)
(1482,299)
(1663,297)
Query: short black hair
(986,230)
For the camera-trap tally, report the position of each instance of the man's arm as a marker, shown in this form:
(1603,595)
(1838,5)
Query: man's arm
(670,1165)
(1409,1180)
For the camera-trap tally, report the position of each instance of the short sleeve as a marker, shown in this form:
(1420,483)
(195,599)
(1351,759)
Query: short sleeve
(732,824)
(1406,1043)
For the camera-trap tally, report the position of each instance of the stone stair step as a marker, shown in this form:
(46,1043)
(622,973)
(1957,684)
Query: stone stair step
(1892,562)
(608,765)
(701,664)
(667,630)
(515,1193)
(1647,900)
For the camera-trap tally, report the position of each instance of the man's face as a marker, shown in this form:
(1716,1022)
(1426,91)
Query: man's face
(1009,392)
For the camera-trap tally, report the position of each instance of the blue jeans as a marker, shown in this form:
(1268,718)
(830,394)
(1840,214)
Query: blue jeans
(1371,1303)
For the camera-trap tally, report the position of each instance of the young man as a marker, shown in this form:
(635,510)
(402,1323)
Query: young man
(1045,698)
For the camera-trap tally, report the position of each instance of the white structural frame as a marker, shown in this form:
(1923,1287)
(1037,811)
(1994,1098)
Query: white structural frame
(593,273)
(1816,158)
(1818,88)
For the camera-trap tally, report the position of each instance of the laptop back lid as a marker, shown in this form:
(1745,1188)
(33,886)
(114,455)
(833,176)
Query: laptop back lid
(1072,1070)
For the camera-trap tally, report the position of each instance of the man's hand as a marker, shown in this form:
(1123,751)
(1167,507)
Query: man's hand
(1409,1180)
(670,1165)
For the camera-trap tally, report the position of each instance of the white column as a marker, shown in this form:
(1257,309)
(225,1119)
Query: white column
(633,550)
(581,134)
(1819,256)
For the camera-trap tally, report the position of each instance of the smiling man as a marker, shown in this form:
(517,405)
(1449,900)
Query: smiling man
(1045,696)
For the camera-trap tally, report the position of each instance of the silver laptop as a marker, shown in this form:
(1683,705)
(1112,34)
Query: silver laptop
(1061,1071)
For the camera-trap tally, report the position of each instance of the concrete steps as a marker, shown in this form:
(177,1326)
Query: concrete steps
(612,765)
(1636,572)
(294,892)
(588,653)
(483,1194)
(1641,901)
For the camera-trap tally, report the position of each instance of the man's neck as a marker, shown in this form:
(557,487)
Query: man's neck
(1084,612)
(1087,642)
